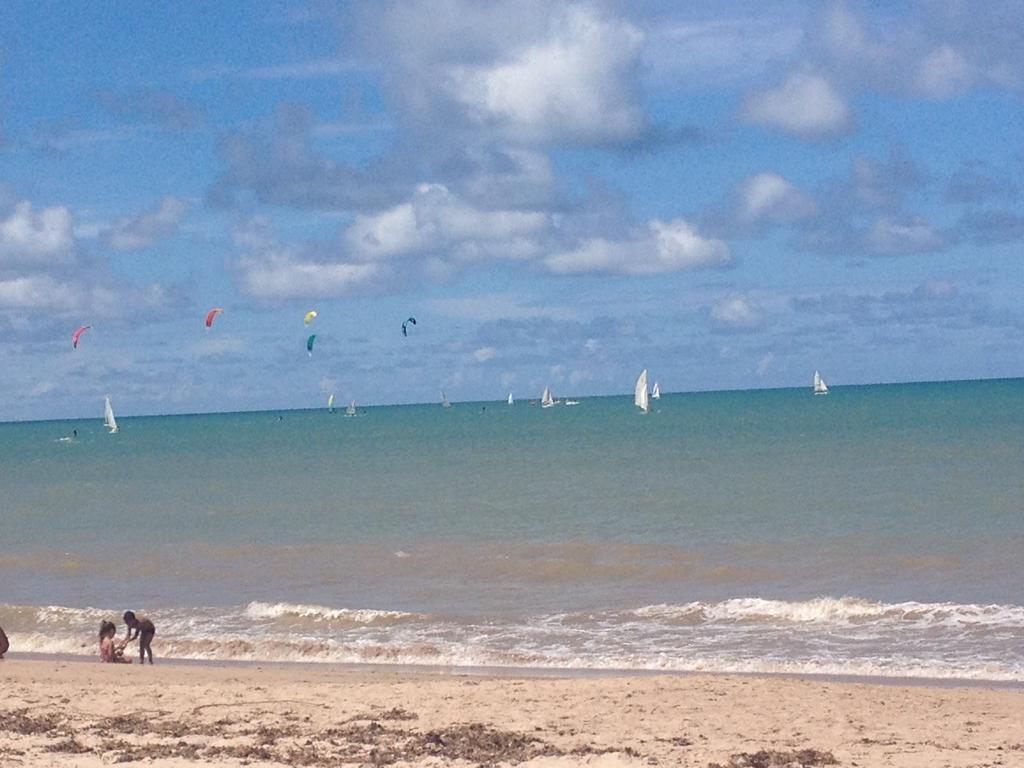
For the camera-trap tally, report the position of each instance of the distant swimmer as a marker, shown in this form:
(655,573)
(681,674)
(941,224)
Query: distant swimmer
(144,632)
(4,643)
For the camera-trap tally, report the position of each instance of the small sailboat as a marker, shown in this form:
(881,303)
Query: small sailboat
(655,392)
(820,387)
(330,403)
(108,416)
(444,400)
(351,409)
(640,397)
(546,400)
(510,400)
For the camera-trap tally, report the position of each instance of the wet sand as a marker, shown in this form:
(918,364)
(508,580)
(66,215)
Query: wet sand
(55,712)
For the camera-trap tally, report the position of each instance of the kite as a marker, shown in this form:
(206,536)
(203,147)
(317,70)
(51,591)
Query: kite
(78,334)
(212,315)
(405,330)
(309,344)
(309,317)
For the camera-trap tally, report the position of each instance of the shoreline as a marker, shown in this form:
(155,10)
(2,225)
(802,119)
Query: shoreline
(86,715)
(540,673)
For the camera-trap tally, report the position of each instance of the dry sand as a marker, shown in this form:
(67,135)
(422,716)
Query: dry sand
(88,714)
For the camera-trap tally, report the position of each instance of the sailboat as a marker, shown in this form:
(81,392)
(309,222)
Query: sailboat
(351,409)
(655,392)
(510,400)
(546,400)
(444,400)
(640,397)
(108,416)
(820,387)
(330,403)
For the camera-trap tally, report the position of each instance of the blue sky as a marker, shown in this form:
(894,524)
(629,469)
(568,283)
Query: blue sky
(562,193)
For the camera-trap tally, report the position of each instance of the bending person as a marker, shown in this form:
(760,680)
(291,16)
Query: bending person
(4,644)
(144,631)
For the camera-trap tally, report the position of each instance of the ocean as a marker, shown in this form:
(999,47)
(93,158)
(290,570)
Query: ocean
(876,531)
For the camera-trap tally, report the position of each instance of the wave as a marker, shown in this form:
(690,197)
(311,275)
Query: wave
(839,611)
(362,616)
(827,635)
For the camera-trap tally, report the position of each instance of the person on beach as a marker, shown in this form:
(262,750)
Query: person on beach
(4,643)
(144,631)
(111,652)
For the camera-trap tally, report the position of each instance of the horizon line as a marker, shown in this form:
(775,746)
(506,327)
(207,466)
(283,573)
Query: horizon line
(832,389)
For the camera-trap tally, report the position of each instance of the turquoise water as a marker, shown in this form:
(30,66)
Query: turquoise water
(877,530)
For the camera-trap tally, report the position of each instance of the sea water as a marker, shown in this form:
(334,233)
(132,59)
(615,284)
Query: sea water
(878,530)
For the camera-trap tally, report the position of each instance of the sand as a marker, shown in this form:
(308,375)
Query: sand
(86,714)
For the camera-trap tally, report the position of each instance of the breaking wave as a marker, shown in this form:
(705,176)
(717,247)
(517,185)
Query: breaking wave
(837,636)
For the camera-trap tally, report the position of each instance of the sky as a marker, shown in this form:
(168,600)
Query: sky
(731,195)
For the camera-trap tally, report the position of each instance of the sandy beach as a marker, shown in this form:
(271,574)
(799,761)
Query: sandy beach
(86,714)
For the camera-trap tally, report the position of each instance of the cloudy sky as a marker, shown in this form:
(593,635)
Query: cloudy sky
(561,193)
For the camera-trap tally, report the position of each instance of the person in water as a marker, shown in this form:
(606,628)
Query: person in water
(111,652)
(144,631)
(4,643)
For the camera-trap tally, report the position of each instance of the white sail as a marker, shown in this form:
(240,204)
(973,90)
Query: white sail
(351,409)
(108,416)
(655,392)
(546,400)
(330,403)
(444,400)
(640,396)
(510,400)
(820,387)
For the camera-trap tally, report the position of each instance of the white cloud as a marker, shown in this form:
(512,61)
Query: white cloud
(805,105)
(662,247)
(496,306)
(768,197)
(43,238)
(735,312)
(944,73)
(437,220)
(765,364)
(284,276)
(141,231)
(219,346)
(484,354)
(719,51)
(575,84)
(891,237)
(43,388)
(37,292)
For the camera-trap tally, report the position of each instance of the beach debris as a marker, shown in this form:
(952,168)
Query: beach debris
(78,334)
(770,758)
(212,315)
(405,325)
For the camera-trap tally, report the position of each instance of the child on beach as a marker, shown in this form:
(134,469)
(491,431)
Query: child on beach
(4,644)
(144,631)
(111,653)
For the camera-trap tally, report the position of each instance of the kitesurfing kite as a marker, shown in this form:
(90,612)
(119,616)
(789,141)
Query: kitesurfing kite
(78,334)
(212,315)
(309,344)
(405,331)
(309,317)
